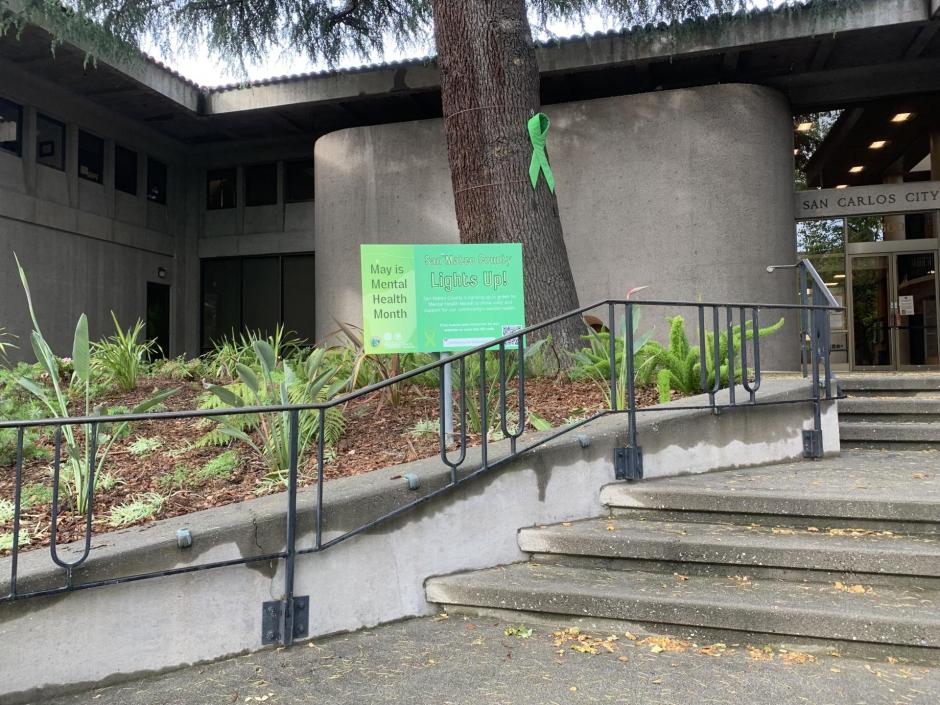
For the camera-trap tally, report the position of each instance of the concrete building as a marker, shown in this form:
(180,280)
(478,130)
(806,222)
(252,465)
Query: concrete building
(125,187)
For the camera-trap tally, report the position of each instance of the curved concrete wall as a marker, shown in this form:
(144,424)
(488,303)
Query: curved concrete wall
(687,191)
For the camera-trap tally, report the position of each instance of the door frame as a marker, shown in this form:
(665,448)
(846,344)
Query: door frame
(891,250)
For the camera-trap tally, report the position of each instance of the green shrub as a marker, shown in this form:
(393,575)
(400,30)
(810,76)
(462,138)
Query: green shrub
(279,385)
(232,351)
(678,366)
(180,477)
(593,361)
(141,506)
(121,358)
(6,344)
(77,459)
(145,446)
(222,467)
(490,372)
(36,494)
(6,540)
(179,369)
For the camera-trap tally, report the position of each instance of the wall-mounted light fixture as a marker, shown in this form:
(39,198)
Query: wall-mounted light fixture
(161,272)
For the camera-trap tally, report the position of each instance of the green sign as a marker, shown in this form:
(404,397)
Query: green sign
(439,298)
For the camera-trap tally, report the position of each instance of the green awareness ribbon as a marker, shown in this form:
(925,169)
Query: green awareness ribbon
(538,131)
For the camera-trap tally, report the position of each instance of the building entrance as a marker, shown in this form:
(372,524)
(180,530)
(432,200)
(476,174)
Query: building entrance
(892,306)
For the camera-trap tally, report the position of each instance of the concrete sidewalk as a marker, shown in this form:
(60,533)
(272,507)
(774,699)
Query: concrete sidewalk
(472,661)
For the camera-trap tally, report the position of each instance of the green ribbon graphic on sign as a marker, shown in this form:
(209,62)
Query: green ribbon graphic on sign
(538,131)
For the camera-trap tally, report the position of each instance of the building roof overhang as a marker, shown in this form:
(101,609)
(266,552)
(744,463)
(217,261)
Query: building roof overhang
(820,55)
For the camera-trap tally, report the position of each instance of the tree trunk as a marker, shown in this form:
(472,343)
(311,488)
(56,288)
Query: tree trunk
(490,89)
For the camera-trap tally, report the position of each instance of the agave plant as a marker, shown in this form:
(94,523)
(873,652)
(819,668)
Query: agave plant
(280,385)
(81,454)
(678,366)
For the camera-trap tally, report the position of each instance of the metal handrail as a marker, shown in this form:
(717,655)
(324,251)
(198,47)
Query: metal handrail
(628,461)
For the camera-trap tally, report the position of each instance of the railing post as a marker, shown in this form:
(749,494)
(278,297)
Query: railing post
(612,353)
(628,461)
(805,335)
(282,621)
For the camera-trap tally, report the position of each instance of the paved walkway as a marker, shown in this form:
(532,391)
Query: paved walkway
(472,661)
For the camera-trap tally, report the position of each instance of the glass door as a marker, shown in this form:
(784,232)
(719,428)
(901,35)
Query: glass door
(915,309)
(871,311)
(894,311)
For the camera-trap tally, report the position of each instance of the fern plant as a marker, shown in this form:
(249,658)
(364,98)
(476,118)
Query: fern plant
(278,384)
(677,367)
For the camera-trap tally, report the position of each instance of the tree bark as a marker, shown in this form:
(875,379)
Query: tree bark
(490,88)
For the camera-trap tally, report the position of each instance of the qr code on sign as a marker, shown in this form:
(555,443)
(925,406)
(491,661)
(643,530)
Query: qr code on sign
(510,329)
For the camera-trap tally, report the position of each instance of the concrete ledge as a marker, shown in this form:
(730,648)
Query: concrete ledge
(372,578)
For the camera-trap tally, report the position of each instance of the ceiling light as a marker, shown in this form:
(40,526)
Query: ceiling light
(842,186)
(901,117)
(796,151)
(806,126)
(857,169)
(832,283)
(877,144)
(839,276)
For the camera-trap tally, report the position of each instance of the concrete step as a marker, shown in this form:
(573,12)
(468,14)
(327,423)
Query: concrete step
(907,382)
(883,615)
(847,550)
(888,408)
(893,432)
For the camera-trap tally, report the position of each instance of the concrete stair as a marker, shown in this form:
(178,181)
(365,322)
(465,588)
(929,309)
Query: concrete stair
(890,411)
(807,551)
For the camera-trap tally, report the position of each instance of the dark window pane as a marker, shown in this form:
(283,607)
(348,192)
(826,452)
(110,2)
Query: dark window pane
(11,126)
(90,157)
(261,185)
(156,181)
(50,142)
(220,188)
(299,292)
(298,181)
(125,170)
(221,300)
(261,297)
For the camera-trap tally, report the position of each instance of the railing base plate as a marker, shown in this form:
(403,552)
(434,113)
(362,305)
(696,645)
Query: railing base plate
(273,621)
(628,463)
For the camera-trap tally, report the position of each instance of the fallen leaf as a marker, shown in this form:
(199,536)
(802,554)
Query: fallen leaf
(757,654)
(566,523)
(713,649)
(855,589)
(892,659)
(658,644)
(611,527)
(920,476)
(785,532)
(631,636)
(681,578)
(797,657)
(623,659)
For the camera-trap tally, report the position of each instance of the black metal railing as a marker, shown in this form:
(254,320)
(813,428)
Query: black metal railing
(714,319)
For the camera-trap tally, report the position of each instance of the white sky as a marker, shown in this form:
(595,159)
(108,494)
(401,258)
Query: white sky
(196,64)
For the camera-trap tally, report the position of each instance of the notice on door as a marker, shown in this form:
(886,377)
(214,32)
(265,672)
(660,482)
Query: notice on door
(906,305)
(439,298)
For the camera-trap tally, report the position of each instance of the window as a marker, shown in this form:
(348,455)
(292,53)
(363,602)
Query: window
(220,188)
(298,178)
(90,157)
(156,181)
(125,170)
(50,142)
(257,293)
(11,126)
(261,185)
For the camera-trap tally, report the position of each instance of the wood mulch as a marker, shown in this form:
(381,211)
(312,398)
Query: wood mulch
(378,434)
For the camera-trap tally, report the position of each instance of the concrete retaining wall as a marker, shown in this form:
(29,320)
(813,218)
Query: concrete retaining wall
(680,190)
(106,634)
